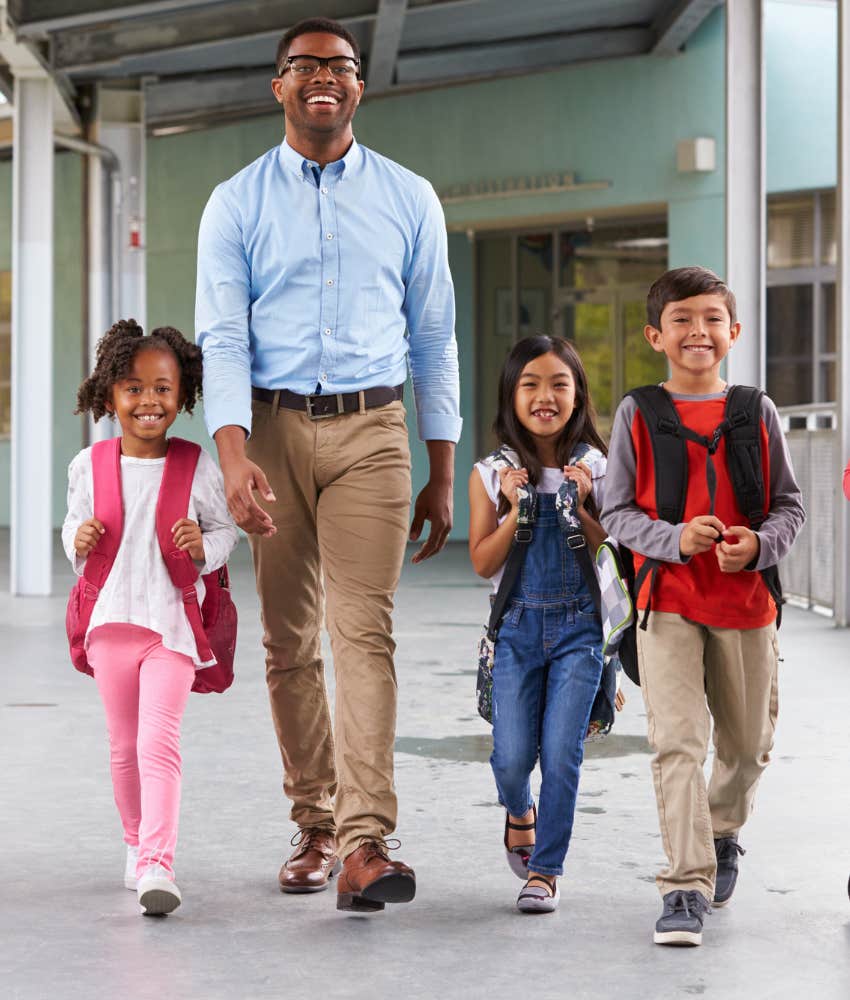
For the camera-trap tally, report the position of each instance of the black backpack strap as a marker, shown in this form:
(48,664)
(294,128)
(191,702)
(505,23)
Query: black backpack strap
(743,451)
(744,461)
(669,451)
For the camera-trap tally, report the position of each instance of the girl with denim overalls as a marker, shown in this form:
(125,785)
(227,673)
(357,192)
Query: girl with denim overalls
(548,656)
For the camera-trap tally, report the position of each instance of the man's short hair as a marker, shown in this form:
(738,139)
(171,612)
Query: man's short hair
(310,26)
(684,283)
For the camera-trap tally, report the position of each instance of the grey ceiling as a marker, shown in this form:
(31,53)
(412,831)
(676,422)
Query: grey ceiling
(203,59)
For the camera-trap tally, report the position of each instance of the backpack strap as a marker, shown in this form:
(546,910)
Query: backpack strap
(566,503)
(172,504)
(108,508)
(669,451)
(744,461)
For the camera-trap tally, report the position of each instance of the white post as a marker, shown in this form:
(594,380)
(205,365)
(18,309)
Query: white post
(842,284)
(32,336)
(745,185)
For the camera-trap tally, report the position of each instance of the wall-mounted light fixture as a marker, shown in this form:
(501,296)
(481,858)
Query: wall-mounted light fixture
(696,156)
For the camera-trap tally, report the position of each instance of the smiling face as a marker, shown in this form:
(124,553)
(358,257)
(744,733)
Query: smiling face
(323,105)
(696,335)
(545,396)
(146,402)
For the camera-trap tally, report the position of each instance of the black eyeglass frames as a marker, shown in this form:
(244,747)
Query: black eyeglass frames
(305,66)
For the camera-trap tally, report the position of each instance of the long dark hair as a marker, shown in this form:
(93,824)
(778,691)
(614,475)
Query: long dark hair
(581,426)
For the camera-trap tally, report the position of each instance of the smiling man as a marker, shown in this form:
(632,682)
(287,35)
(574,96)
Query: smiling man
(323,270)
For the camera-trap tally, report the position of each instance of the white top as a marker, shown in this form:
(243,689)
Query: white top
(550,482)
(138,590)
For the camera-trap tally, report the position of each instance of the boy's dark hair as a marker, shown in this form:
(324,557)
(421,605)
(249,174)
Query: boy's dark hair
(580,427)
(310,26)
(116,350)
(684,283)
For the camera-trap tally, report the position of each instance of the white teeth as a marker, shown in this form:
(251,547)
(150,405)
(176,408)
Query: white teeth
(322,99)
(148,418)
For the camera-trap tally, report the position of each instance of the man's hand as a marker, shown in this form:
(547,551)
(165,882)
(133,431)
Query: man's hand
(87,536)
(188,538)
(740,546)
(700,534)
(433,504)
(241,478)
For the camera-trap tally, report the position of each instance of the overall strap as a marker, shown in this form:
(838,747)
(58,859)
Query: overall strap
(566,503)
(172,504)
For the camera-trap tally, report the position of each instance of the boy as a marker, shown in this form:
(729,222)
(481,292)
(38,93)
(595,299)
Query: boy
(709,649)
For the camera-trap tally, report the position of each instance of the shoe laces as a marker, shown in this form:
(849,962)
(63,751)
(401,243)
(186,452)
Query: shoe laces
(304,838)
(379,848)
(727,847)
(689,903)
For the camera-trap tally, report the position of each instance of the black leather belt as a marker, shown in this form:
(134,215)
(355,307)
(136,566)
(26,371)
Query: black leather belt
(320,407)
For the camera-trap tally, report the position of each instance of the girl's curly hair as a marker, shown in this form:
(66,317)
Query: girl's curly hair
(116,350)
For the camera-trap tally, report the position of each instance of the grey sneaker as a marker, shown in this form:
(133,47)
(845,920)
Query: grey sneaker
(681,921)
(727,850)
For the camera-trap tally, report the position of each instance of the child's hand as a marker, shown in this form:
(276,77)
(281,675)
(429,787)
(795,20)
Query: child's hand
(619,700)
(580,475)
(509,480)
(87,536)
(187,536)
(700,534)
(739,547)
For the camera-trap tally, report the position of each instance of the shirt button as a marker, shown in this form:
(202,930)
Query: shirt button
(330,282)
(324,190)
(330,236)
(324,376)
(327,333)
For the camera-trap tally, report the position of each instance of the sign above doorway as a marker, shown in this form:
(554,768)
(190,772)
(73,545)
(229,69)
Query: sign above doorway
(514,187)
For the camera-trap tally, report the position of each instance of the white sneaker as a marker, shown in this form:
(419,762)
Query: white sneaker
(157,891)
(130,868)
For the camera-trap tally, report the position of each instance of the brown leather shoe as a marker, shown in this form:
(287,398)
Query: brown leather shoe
(312,862)
(369,879)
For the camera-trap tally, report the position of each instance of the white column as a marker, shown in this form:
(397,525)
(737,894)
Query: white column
(745,185)
(32,336)
(842,508)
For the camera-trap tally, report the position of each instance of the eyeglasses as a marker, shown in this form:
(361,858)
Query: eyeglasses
(342,67)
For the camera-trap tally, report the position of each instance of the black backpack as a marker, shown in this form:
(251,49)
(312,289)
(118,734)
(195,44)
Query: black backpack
(741,426)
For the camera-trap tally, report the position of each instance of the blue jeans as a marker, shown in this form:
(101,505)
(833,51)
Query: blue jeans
(547,668)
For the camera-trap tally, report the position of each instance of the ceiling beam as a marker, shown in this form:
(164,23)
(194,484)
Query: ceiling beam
(386,41)
(522,55)
(675,25)
(85,48)
(172,102)
(35,20)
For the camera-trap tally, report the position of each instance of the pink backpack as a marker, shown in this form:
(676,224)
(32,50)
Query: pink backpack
(213,624)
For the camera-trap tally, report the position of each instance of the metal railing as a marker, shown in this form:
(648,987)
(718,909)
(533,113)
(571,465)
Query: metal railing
(808,572)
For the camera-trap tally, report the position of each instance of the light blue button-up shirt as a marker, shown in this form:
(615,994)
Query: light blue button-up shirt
(326,278)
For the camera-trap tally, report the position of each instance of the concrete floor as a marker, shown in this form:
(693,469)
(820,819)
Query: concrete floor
(68,928)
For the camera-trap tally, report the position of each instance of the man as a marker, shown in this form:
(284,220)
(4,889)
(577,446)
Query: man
(312,263)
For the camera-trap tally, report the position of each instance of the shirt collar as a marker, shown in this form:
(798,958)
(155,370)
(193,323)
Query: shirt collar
(349,164)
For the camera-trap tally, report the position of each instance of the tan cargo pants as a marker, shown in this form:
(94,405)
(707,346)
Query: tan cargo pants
(691,674)
(342,516)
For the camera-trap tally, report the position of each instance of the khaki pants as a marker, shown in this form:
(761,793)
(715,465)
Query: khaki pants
(342,514)
(691,673)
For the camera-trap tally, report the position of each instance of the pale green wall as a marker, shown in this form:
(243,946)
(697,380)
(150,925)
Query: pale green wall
(67,322)
(801,46)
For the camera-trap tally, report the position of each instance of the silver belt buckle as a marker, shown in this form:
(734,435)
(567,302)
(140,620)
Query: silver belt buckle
(340,407)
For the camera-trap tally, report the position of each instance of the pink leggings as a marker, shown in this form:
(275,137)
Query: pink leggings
(144,688)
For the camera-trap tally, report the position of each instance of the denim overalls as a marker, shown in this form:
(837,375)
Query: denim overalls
(548,664)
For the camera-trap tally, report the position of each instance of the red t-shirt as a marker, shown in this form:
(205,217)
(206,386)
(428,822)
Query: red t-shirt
(697,589)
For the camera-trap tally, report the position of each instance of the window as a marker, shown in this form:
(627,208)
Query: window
(587,284)
(801,256)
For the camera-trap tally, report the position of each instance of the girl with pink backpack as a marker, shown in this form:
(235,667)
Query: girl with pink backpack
(148,534)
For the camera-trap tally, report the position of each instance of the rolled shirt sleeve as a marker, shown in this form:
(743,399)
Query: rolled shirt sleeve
(429,309)
(222,310)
